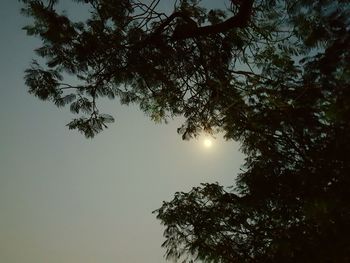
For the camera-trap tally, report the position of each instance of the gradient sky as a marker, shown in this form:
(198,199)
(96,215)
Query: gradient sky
(66,199)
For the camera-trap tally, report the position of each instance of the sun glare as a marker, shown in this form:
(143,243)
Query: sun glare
(207,143)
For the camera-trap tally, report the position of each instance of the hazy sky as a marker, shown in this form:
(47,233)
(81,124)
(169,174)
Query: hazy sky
(66,199)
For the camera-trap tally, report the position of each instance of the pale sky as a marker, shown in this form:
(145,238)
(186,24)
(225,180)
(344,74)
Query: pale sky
(66,199)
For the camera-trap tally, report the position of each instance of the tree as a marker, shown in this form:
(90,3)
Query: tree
(272,74)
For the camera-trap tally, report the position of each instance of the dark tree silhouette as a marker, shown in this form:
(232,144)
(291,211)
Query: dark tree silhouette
(274,75)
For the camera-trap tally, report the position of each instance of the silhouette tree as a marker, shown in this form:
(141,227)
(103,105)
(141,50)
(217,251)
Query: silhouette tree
(273,75)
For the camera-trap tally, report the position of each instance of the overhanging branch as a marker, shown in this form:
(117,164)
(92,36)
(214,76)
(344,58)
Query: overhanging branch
(240,20)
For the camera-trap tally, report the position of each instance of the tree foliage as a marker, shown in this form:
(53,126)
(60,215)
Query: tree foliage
(271,74)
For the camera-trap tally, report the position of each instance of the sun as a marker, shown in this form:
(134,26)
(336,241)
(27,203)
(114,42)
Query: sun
(208,143)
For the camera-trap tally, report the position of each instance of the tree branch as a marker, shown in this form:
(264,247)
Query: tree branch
(240,20)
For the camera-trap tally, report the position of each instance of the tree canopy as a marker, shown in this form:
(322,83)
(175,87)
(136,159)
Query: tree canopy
(271,74)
